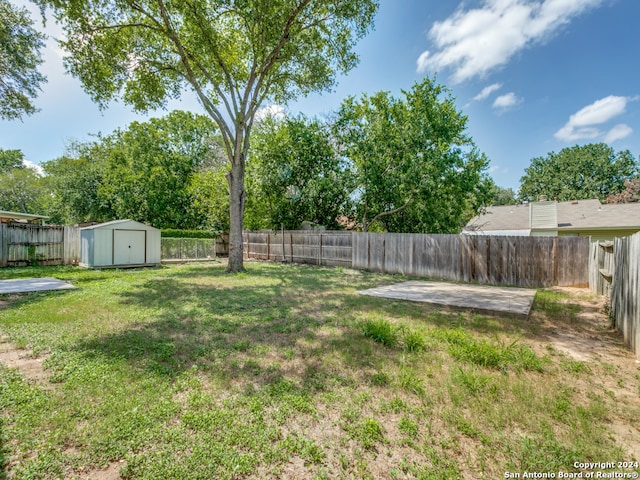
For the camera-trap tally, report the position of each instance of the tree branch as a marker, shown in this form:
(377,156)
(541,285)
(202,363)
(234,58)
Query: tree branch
(390,212)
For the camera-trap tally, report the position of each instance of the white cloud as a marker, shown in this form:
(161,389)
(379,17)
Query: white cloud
(475,41)
(618,133)
(273,110)
(506,101)
(33,166)
(486,91)
(583,124)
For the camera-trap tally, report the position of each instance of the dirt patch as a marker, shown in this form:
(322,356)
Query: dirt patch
(25,362)
(112,472)
(587,336)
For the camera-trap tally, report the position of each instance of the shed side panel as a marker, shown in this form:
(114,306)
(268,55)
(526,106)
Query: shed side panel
(102,247)
(153,246)
(86,248)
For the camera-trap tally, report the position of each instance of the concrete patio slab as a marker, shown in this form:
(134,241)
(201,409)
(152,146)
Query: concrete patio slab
(22,285)
(516,301)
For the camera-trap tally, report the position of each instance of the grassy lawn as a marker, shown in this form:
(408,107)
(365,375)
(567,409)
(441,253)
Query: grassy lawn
(183,372)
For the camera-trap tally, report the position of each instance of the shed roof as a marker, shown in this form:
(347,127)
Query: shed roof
(114,223)
(21,216)
(574,215)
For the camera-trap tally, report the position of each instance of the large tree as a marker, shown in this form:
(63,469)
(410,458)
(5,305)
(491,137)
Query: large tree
(22,190)
(296,175)
(150,165)
(74,180)
(143,172)
(235,55)
(578,173)
(415,167)
(20,58)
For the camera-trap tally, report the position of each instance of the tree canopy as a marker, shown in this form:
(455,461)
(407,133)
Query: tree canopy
(10,159)
(22,190)
(415,168)
(630,193)
(234,55)
(296,175)
(578,173)
(143,172)
(20,58)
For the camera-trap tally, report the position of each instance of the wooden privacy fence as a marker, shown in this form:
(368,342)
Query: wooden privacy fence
(300,246)
(38,244)
(620,263)
(497,260)
(601,266)
(516,261)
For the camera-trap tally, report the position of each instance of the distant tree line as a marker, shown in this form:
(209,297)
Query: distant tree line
(381,163)
(402,164)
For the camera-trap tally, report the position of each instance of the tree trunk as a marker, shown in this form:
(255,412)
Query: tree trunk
(236,210)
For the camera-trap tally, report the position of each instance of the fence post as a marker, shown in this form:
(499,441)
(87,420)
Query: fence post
(4,247)
(269,246)
(291,245)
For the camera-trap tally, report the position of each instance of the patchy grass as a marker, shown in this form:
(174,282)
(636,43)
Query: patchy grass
(184,372)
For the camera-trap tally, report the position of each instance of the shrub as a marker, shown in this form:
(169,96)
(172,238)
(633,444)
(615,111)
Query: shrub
(177,233)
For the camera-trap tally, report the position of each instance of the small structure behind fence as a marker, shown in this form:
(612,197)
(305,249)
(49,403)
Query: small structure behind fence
(27,244)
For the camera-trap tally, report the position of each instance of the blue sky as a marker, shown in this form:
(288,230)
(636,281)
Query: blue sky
(533,76)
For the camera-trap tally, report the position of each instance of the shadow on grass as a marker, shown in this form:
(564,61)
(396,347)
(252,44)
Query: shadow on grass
(244,327)
(261,326)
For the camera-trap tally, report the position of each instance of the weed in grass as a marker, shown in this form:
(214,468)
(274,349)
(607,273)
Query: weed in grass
(410,381)
(413,341)
(574,366)
(408,427)
(252,366)
(241,346)
(484,353)
(442,466)
(308,450)
(381,379)
(367,432)
(472,380)
(381,331)
(362,399)
(546,454)
(395,405)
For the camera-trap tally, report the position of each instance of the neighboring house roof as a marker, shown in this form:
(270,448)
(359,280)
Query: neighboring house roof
(574,215)
(5,215)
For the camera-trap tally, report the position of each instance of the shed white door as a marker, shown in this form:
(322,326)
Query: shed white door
(128,247)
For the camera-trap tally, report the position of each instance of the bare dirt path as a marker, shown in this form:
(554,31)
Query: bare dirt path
(588,337)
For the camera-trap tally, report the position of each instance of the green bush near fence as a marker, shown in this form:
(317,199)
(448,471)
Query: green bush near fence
(177,233)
